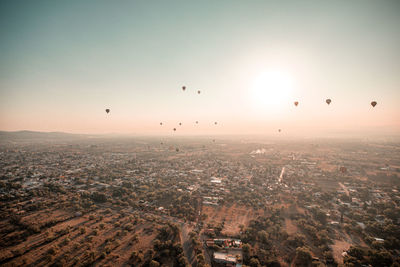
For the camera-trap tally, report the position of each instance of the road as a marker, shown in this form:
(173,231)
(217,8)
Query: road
(186,244)
(207,252)
(345,189)
(281,176)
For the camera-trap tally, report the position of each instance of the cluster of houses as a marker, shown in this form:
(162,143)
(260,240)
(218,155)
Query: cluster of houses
(228,251)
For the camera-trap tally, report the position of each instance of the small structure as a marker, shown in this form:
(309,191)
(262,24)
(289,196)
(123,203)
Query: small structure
(215,180)
(225,243)
(223,257)
(209,231)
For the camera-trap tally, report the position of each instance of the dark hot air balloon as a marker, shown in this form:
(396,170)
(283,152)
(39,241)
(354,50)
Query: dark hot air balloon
(180,123)
(197,122)
(198,91)
(373,103)
(183,88)
(177,149)
(108,110)
(296,103)
(279,130)
(174,129)
(215,123)
(328,101)
(160,123)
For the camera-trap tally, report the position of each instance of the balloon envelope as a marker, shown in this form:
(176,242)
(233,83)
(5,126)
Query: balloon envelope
(198,91)
(108,110)
(296,103)
(328,101)
(183,88)
(373,103)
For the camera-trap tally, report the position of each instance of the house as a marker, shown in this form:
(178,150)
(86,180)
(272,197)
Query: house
(223,257)
(362,225)
(210,243)
(228,243)
(209,231)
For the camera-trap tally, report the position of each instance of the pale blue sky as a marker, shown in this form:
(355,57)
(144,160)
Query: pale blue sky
(63,62)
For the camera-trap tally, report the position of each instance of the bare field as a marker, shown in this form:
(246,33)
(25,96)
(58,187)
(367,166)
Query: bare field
(291,228)
(232,216)
(338,247)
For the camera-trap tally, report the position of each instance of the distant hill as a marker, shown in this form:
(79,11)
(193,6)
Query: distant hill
(29,135)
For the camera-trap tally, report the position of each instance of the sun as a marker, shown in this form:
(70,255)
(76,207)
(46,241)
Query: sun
(272,90)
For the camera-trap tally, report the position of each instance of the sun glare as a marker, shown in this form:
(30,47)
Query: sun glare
(272,90)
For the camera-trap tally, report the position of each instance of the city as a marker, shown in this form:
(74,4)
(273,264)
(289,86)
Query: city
(215,202)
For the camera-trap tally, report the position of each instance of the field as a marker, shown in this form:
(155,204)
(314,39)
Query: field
(338,247)
(104,236)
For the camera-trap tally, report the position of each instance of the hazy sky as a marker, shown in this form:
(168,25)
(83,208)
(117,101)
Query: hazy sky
(63,62)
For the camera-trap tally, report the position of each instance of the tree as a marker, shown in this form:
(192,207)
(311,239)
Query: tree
(381,258)
(246,248)
(263,237)
(200,258)
(356,252)
(246,252)
(351,261)
(297,240)
(320,216)
(98,197)
(303,257)
(154,263)
(149,254)
(328,256)
(254,262)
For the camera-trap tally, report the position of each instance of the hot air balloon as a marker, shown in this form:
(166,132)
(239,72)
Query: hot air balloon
(197,122)
(177,149)
(328,101)
(183,88)
(198,91)
(215,123)
(279,130)
(296,103)
(160,123)
(108,110)
(373,103)
(214,140)
(174,129)
(180,123)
